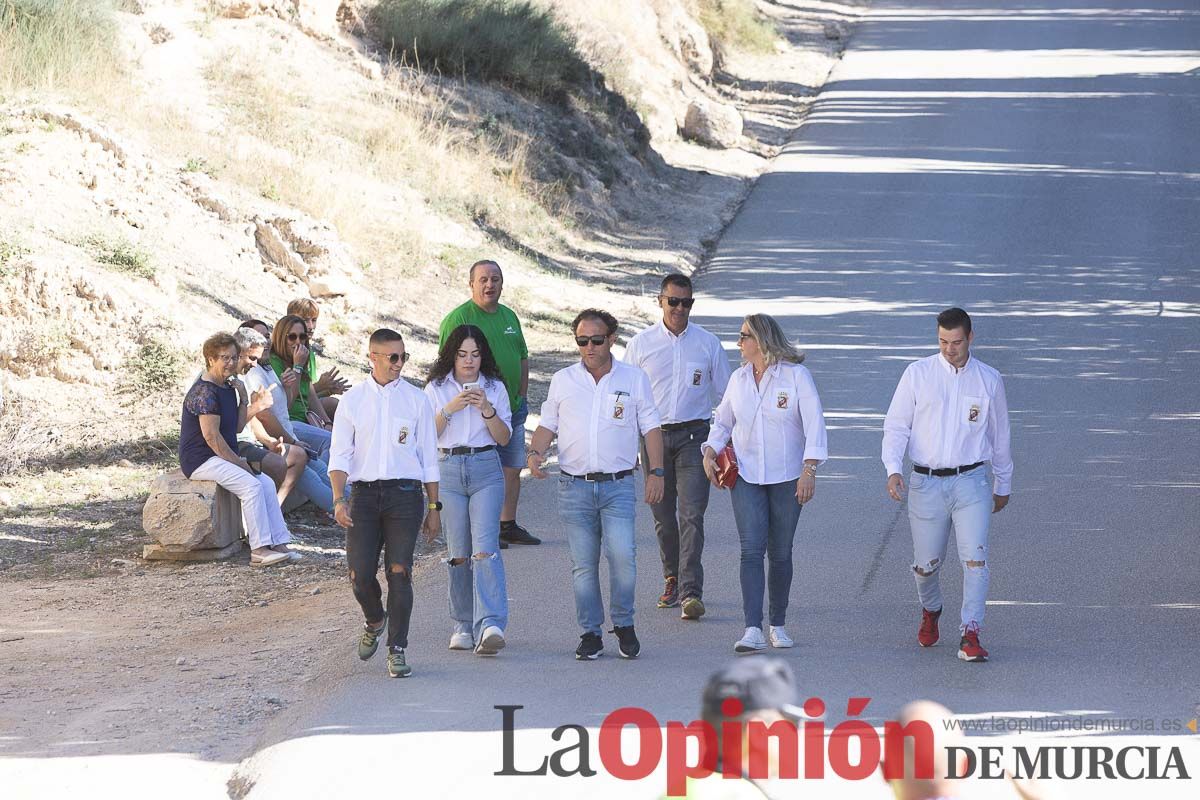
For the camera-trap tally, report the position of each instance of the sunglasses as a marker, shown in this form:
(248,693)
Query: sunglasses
(686,302)
(294,336)
(744,336)
(393,357)
(582,341)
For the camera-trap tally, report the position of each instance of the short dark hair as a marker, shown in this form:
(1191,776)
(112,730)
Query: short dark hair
(214,344)
(676,279)
(608,319)
(253,323)
(480,263)
(385,335)
(953,318)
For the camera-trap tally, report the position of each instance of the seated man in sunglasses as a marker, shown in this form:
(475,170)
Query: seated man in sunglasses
(597,408)
(688,372)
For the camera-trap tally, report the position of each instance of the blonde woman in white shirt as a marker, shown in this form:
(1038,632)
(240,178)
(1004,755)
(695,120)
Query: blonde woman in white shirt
(474,420)
(773,415)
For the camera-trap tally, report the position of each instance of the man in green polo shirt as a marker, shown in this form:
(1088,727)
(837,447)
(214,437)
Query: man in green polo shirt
(503,331)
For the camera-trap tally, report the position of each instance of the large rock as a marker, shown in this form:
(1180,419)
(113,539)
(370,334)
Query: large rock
(713,124)
(185,515)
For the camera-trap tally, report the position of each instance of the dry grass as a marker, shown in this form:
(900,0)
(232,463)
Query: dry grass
(363,156)
(66,46)
(736,25)
(24,437)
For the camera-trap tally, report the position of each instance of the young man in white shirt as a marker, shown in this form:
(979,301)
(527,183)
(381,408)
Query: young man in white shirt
(688,372)
(385,447)
(950,414)
(597,408)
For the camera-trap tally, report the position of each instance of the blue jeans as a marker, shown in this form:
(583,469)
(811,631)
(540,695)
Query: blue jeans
(316,438)
(472,490)
(933,505)
(512,455)
(314,484)
(596,514)
(766,517)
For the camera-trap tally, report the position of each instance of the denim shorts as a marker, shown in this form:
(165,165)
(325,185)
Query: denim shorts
(512,455)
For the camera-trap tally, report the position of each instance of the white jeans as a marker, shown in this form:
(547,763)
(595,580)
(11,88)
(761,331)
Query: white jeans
(260,508)
(933,505)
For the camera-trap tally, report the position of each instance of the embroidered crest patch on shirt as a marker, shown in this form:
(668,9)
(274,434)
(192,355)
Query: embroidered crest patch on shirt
(697,376)
(618,409)
(402,438)
(973,414)
(781,400)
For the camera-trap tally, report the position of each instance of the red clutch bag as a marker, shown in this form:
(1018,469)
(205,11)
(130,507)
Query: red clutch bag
(727,468)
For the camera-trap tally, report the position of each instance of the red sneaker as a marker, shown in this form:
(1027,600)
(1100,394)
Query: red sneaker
(969,649)
(927,636)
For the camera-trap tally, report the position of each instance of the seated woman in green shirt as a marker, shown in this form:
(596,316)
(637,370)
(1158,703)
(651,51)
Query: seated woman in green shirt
(292,361)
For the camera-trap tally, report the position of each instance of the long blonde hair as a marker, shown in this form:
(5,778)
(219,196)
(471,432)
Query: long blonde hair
(772,341)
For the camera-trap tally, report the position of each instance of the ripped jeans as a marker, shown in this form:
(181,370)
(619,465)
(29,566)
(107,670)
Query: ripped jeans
(933,505)
(387,516)
(472,491)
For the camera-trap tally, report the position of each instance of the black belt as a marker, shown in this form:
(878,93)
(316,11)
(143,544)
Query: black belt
(388,483)
(466,451)
(680,426)
(946,471)
(600,477)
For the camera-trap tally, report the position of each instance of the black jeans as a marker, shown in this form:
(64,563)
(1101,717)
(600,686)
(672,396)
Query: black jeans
(387,518)
(681,539)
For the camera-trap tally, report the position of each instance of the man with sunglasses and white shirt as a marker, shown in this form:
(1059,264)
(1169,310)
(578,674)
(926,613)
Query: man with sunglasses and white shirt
(597,408)
(385,447)
(688,373)
(950,414)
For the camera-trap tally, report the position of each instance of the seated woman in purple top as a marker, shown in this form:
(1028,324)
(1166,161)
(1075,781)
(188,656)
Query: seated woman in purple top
(214,411)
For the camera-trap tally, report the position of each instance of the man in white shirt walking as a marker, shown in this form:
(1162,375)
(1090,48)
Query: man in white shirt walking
(385,446)
(597,408)
(950,413)
(688,373)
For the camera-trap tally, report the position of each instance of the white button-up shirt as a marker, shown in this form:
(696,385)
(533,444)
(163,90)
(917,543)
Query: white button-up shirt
(775,425)
(384,433)
(949,418)
(467,427)
(688,373)
(598,422)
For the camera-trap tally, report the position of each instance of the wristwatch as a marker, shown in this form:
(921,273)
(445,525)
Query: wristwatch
(811,469)
(658,472)
(445,415)
(436,505)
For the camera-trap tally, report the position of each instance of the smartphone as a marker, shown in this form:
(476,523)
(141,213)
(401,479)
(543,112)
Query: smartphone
(471,386)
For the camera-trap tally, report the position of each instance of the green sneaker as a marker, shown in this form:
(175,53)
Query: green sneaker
(368,643)
(397,667)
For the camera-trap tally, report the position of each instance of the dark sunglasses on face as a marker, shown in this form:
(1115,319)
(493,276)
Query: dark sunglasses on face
(294,336)
(582,341)
(393,357)
(687,302)
(744,336)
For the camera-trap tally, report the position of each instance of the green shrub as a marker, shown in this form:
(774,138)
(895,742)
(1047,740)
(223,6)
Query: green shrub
(10,251)
(511,42)
(736,25)
(121,255)
(155,369)
(57,44)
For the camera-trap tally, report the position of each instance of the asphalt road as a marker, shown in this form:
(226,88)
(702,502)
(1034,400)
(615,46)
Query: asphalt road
(1036,163)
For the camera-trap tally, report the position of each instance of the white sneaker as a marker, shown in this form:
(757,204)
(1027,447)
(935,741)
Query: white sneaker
(491,642)
(461,641)
(780,638)
(751,642)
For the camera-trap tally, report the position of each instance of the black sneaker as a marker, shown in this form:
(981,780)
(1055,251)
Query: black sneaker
(590,647)
(627,642)
(513,533)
